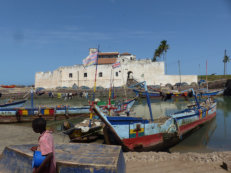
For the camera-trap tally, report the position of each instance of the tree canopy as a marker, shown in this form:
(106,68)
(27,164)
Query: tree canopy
(161,50)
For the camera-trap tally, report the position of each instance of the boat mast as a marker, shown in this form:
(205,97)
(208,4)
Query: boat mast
(96,68)
(207,74)
(143,84)
(93,97)
(179,71)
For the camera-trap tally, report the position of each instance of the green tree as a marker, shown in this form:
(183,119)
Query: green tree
(156,55)
(164,48)
(225,61)
(161,51)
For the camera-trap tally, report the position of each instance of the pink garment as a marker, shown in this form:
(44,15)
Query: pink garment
(46,146)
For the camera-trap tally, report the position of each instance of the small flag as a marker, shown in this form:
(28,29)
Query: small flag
(116,64)
(90,60)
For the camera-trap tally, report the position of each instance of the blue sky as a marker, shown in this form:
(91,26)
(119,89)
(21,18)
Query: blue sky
(42,35)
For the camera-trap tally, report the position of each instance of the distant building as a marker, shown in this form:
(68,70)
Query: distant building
(140,70)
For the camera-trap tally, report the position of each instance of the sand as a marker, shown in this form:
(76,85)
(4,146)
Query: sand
(160,162)
(13,134)
(146,162)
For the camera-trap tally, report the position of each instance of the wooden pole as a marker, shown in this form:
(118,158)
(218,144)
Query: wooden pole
(207,74)
(179,71)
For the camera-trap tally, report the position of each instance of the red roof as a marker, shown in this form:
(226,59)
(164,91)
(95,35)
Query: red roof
(125,53)
(108,53)
(107,60)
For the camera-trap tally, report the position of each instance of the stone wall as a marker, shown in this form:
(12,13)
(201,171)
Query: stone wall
(141,70)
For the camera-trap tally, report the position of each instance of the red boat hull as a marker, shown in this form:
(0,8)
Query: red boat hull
(8,86)
(186,128)
(143,141)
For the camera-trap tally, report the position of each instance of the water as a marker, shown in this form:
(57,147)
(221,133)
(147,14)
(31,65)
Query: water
(213,136)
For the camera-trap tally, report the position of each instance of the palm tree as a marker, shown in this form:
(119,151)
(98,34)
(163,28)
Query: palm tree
(164,48)
(156,55)
(161,50)
(225,61)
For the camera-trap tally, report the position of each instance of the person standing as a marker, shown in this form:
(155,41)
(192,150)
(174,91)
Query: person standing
(45,146)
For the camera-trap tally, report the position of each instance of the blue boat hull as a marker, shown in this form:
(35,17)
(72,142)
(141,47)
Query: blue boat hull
(12,115)
(138,134)
(143,94)
(70,158)
(15,104)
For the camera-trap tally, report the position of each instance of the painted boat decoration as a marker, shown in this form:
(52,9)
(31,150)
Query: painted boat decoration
(8,86)
(13,104)
(138,134)
(12,115)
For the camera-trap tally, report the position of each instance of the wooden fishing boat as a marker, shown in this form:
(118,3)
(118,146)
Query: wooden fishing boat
(12,115)
(13,104)
(152,94)
(195,116)
(70,158)
(164,95)
(85,131)
(175,95)
(118,107)
(138,134)
(210,93)
(8,86)
(91,129)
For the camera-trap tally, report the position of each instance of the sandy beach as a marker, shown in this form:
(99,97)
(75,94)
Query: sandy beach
(158,162)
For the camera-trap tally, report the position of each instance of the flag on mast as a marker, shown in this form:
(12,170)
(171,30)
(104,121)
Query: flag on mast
(90,60)
(116,64)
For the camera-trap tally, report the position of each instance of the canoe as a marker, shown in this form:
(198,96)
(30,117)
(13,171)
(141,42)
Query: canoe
(211,93)
(82,132)
(151,94)
(13,104)
(164,95)
(12,115)
(138,134)
(70,158)
(90,130)
(8,86)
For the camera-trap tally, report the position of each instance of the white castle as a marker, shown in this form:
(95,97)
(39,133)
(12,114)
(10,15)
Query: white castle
(140,70)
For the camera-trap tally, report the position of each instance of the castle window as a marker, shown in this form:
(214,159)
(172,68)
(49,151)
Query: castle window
(117,74)
(85,74)
(100,74)
(70,75)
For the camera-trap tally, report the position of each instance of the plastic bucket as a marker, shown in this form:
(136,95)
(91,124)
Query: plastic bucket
(37,160)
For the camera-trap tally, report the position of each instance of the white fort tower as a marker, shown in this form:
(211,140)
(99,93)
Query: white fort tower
(140,70)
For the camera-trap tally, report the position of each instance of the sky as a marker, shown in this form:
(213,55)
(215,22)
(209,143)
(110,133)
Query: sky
(42,35)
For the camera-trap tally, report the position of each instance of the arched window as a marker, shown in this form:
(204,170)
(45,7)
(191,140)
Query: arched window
(100,74)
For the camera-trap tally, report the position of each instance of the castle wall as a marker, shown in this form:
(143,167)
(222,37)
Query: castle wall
(141,70)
